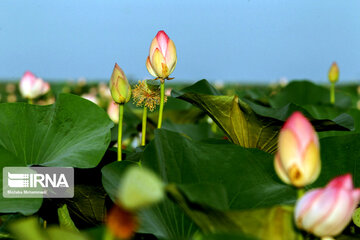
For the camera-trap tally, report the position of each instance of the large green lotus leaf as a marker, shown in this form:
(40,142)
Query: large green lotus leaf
(73,132)
(200,87)
(305,93)
(343,121)
(339,155)
(353,91)
(216,194)
(196,132)
(208,210)
(87,208)
(184,116)
(242,171)
(258,93)
(173,103)
(274,223)
(166,221)
(236,181)
(316,114)
(330,112)
(240,178)
(254,126)
(355,114)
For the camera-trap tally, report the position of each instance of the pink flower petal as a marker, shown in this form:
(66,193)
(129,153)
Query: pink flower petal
(302,128)
(343,182)
(162,39)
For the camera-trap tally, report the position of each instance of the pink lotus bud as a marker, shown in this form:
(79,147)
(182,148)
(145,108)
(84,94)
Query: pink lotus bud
(297,161)
(113,112)
(32,87)
(162,58)
(325,212)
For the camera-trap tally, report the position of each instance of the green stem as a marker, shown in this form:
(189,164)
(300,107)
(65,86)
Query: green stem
(162,89)
(31,101)
(121,115)
(300,192)
(143,133)
(332,93)
(108,234)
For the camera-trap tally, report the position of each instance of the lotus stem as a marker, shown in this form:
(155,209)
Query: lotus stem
(121,115)
(143,130)
(31,101)
(300,192)
(162,96)
(332,93)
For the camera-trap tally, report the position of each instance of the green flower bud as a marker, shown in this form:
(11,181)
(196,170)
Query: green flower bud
(140,188)
(119,86)
(334,73)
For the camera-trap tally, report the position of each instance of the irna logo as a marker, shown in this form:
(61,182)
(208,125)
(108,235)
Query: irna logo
(18,180)
(38,182)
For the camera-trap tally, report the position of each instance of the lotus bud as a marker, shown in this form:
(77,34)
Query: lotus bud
(140,188)
(119,86)
(297,161)
(325,212)
(162,58)
(32,87)
(334,73)
(113,112)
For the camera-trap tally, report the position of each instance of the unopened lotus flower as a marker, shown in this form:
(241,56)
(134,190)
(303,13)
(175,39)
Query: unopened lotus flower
(334,73)
(140,188)
(121,92)
(333,78)
(113,111)
(297,161)
(119,86)
(162,58)
(325,212)
(32,87)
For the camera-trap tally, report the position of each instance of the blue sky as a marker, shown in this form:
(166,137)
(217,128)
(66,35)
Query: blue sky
(229,40)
